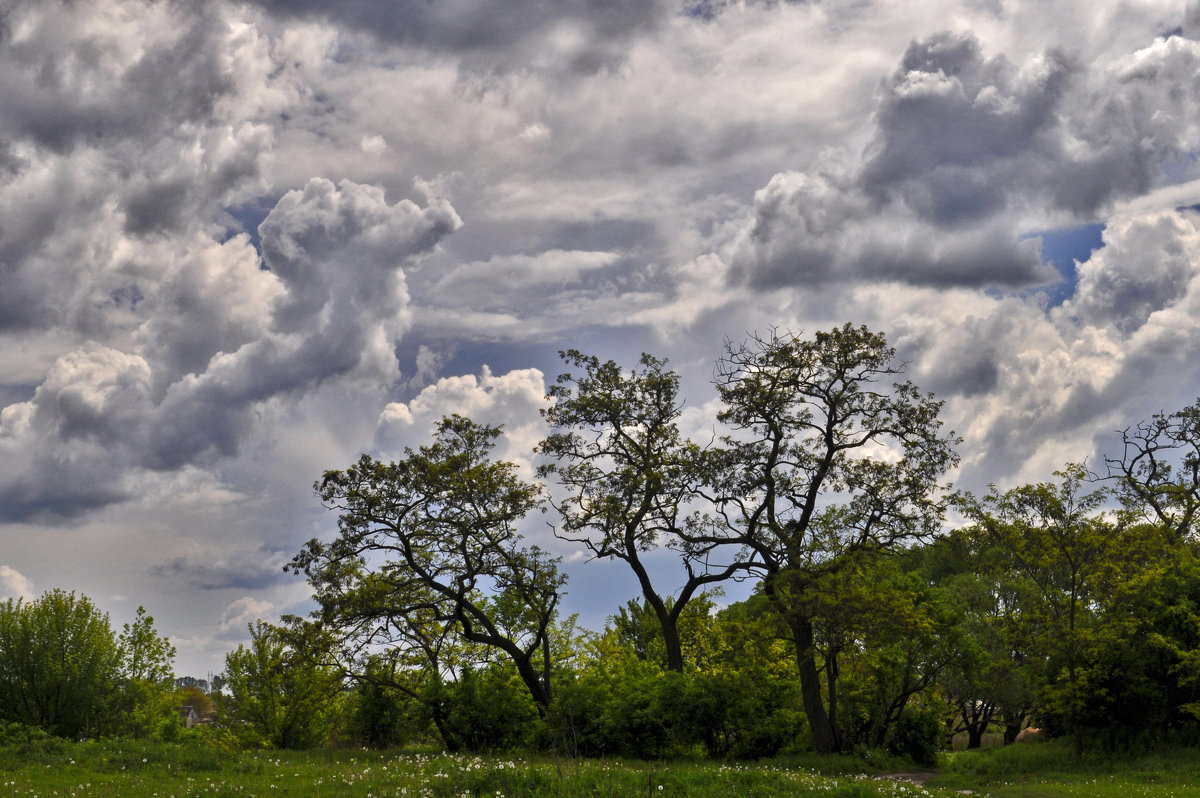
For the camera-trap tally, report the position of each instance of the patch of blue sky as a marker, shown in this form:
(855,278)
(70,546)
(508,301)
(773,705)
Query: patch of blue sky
(1063,249)
(249,215)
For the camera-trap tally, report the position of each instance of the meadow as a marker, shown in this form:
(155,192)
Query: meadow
(132,769)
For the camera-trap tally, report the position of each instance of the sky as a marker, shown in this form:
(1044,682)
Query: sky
(243,242)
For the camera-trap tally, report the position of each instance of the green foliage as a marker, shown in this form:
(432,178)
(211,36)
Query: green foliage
(827,457)
(630,480)
(145,702)
(428,559)
(918,733)
(489,711)
(378,715)
(993,677)
(278,696)
(1071,555)
(58,664)
(619,704)
(146,656)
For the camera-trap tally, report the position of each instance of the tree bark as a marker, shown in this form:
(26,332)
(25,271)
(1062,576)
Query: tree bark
(666,619)
(827,738)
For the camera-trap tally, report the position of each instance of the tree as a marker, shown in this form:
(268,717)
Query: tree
(413,652)
(991,680)
(146,704)
(193,696)
(629,477)
(1158,471)
(1070,551)
(824,458)
(887,634)
(145,655)
(431,541)
(58,663)
(277,695)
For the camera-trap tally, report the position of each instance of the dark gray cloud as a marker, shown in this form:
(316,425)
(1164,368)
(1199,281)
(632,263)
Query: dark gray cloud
(967,151)
(1191,21)
(52,489)
(951,123)
(252,570)
(52,96)
(824,229)
(335,294)
(512,34)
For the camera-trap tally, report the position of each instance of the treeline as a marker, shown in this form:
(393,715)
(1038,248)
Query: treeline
(64,669)
(874,621)
(888,611)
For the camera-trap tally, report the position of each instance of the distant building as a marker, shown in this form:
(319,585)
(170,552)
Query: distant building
(188,716)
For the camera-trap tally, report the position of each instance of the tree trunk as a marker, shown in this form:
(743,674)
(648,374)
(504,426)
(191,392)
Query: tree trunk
(670,631)
(827,738)
(666,619)
(442,723)
(831,688)
(539,690)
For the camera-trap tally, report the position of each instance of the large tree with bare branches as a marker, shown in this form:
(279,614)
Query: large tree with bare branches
(428,546)
(1158,470)
(828,454)
(629,479)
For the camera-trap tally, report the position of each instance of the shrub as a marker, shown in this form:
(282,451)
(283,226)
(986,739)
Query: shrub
(916,735)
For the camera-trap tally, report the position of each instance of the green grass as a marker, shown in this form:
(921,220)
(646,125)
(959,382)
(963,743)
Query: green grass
(1051,770)
(133,770)
(129,769)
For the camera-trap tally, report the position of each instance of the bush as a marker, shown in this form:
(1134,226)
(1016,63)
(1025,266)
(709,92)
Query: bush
(489,711)
(916,735)
(650,714)
(742,715)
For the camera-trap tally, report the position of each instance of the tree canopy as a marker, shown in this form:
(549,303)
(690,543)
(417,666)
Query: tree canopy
(432,539)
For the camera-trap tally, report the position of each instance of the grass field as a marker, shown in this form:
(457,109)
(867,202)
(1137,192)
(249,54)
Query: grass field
(131,769)
(1050,770)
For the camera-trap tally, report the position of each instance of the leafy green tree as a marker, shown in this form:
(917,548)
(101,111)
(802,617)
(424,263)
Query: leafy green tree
(379,714)
(826,456)
(992,679)
(890,634)
(1070,552)
(1144,670)
(145,655)
(428,554)
(630,478)
(58,664)
(145,701)
(278,696)
(637,626)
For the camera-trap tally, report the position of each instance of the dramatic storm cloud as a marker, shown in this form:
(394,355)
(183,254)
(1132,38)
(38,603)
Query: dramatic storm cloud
(244,242)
